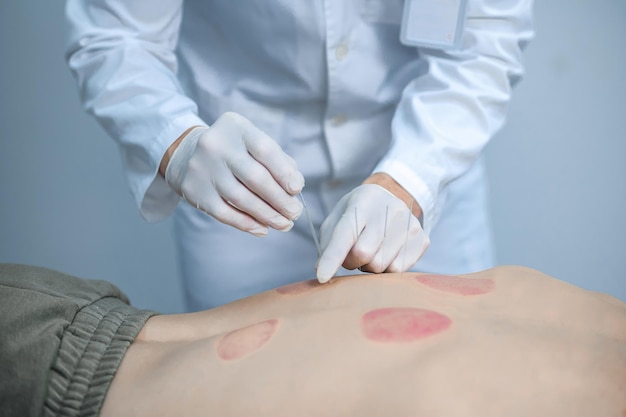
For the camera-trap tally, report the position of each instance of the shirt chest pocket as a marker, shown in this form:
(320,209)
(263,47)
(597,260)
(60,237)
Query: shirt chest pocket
(382,11)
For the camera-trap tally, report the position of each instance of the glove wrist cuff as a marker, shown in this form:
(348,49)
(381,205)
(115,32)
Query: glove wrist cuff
(179,161)
(390,185)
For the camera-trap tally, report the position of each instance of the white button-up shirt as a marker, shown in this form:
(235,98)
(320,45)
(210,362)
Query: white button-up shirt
(329,80)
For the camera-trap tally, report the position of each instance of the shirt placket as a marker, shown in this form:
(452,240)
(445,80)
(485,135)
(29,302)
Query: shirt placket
(336,115)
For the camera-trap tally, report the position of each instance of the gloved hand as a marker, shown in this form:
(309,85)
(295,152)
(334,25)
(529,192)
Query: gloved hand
(237,174)
(355,234)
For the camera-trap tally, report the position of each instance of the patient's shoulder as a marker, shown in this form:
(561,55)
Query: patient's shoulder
(524,277)
(513,272)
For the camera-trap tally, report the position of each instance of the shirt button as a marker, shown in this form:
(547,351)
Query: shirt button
(341,51)
(338,120)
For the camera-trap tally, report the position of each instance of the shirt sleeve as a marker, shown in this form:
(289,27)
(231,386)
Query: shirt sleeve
(122,55)
(446,116)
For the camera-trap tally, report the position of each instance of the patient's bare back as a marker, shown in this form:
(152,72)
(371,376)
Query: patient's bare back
(507,341)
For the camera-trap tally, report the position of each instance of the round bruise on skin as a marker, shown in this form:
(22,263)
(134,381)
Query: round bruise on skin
(244,341)
(402,324)
(297,288)
(457,285)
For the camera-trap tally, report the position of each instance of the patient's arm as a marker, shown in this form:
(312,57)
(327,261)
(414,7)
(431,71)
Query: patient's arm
(505,342)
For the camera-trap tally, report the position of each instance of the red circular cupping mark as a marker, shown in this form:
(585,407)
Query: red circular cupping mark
(402,324)
(297,288)
(244,341)
(457,285)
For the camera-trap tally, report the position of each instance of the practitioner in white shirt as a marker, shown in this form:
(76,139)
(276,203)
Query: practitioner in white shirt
(235,105)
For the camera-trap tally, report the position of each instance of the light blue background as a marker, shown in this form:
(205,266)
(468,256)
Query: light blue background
(558,169)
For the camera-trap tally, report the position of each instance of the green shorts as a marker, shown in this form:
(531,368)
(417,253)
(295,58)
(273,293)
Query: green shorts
(61,341)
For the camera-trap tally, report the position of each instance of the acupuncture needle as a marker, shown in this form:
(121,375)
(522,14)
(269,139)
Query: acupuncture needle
(313,233)
(406,239)
(382,254)
(356,235)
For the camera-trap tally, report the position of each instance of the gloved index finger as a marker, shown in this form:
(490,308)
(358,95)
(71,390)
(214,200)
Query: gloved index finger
(269,153)
(337,249)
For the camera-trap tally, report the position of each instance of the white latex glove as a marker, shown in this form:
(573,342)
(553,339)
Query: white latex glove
(237,174)
(354,234)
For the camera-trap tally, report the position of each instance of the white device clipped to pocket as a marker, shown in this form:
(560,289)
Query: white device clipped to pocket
(433,23)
